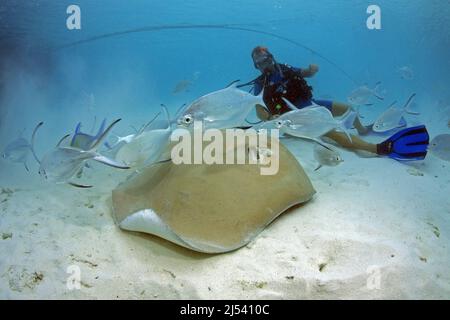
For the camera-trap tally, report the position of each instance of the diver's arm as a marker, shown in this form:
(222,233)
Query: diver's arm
(310,71)
(257,88)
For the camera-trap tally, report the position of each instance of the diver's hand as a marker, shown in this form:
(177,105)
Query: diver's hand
(313,68)
(310,71)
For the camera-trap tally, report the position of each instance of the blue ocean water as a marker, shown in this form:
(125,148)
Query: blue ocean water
(133,73)
(128,75)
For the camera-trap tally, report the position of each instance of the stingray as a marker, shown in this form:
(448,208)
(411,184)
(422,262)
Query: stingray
(236,27)
(211,208)
(62,163)
(19,149)
(145,146)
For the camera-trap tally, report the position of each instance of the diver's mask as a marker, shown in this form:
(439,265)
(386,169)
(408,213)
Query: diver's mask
(264,62)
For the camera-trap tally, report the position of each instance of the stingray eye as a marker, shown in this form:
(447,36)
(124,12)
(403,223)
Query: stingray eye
(187,119)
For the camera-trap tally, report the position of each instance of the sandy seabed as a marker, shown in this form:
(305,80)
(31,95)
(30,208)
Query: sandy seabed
(376,229)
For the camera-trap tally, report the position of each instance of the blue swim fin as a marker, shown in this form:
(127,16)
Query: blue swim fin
(406,145)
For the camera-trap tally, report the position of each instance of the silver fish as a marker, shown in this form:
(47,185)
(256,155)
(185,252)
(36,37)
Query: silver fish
(62,163)
(146,146)
(406,73)
(393,118)
(226,108)
(313,122)
(124,139)
(361,95)
(19,149)
(326,156)
(440,147)
(85,141)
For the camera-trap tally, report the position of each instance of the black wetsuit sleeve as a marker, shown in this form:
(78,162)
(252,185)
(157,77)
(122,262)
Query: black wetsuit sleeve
(294,69)
(257,86)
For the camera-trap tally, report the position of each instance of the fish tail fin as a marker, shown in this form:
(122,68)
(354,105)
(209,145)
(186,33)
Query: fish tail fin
(77,185)
(132,127)
(101,129)
(376,91)
(344,130)
(78,128)
(145,126)
(108,145)
(349,119)
(180,110)
(77,131)
(233,84)
(260,98)
(118,140)
(103,136)
(166,113)
(62,140)
(110,162)
(32,141)
(408,104)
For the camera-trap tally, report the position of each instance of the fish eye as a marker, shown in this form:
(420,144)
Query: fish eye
(187,119)
(279,124)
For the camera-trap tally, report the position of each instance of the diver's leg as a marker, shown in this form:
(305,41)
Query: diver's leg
(356,143)
(338,109)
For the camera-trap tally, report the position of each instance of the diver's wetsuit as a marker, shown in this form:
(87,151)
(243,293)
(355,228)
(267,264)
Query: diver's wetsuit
(287,82)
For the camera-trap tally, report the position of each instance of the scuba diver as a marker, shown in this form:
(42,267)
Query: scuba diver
(284,81)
